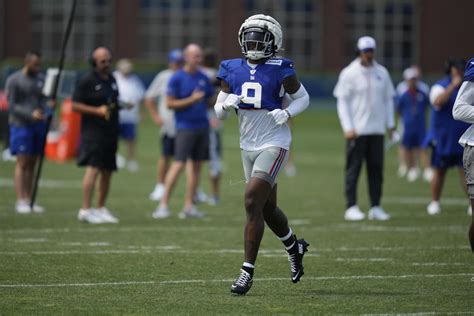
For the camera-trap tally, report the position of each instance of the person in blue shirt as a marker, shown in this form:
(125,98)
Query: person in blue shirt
(254,87)
(412,105)
(446,131)
(189,94)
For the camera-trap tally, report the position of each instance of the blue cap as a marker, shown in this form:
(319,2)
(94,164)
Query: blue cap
(175,56)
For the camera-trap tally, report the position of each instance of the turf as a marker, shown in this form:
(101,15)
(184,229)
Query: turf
(414,263)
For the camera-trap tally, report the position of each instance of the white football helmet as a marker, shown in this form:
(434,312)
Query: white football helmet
(260,36)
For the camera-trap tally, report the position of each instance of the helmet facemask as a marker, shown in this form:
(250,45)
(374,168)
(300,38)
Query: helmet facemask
(257,43)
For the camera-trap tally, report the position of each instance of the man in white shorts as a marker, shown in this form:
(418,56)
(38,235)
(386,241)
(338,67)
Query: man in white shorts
(254,87)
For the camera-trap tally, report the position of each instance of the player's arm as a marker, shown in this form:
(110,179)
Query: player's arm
(439,96)
(299,100)
(100,111)
(298,95)
(174,103)
(342,92)
(79,106)
(226,101)
(151,105)
(463,109)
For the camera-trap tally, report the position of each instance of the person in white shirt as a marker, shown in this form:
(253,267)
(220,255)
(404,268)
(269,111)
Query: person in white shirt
(216,126)
(365,105)
(131,91)
(163,117)
(463,110)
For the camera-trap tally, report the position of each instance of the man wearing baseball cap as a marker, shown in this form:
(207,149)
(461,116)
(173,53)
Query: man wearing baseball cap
(365,93)
(163,117)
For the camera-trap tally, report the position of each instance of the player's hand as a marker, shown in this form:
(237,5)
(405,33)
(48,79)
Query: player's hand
(37,115)
(350,135)
(456,80)
(103,111)
(280,116)
(232,102)
(197,95)
(157,119)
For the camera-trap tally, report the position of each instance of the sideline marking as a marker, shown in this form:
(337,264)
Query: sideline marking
(46,183)
(120,283)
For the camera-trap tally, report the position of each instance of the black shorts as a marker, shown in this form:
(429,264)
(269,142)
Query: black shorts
(98,154)
(192,144)
(167,146)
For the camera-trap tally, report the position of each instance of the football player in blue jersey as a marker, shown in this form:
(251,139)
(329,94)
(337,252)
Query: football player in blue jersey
(446,131)
(254,87)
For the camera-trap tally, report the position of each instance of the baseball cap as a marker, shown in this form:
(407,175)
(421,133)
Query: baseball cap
(175,56)
(366,42)
(410,73)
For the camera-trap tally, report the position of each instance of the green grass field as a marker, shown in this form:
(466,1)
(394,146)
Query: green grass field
(414,263)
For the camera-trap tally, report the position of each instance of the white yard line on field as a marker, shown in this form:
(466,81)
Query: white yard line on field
(322,278)
(30,240)
(424,200)
(46,183)
(441,264)
(346,227)
(172,249)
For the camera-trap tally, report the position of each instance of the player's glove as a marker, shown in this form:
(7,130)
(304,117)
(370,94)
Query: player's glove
(232,102)
(280,116)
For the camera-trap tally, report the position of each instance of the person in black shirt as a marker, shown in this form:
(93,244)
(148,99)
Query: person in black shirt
(96,98)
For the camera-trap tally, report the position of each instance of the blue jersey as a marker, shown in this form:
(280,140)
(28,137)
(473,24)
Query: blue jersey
(262,86)
(181,85)
(412,107)
(446,130)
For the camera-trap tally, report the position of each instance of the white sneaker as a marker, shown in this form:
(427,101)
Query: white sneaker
(428,174)
(200,196)
(413,174)
(354,213)
(213,201)
(22,207)
(120,161)
(89,216)
(377,213)
(157,193)
(192,212)
(402,171)
(132,166)
(37,208)
(469,210)
(161,212)
(433,208)
(106,215)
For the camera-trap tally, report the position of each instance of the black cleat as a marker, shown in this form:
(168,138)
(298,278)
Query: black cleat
(295,257)
(243,283)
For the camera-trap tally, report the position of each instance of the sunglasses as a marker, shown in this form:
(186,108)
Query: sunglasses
(105,61)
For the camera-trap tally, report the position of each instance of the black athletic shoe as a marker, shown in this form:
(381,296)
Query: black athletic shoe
(243,283)
(295,257)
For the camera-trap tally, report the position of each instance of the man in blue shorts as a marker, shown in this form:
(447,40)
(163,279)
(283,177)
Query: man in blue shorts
(27,126)
(447,153)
